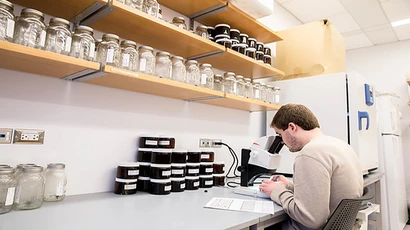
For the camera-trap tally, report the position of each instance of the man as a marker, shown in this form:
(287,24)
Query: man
(326,170)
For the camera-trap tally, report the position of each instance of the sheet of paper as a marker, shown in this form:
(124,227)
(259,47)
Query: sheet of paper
(259,206)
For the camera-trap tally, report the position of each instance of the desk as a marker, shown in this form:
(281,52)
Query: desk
(107,211)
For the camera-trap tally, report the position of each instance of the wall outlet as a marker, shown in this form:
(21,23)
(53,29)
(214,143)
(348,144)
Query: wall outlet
(28,136)
(6,135)
(213,145)
(204,143)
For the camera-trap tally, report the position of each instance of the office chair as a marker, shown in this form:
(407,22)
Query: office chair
(344,216)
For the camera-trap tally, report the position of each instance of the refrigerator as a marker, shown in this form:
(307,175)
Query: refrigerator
(393,185)
(345,107)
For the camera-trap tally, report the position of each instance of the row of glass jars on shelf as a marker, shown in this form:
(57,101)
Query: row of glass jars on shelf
(27,186)
(150,7)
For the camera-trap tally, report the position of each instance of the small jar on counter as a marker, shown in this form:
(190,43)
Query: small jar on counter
(219,179)
(144,169)
(179,22)
(192,169)
(55,182)
(179,156)
(143,184)
(144,155)
(206,168)
(194,156)
(150,7)
(30,29)
(230,83)
(206,181)
(147,60)
(6,21)
(248,88)
(166,142)
(160,171)
(30,189)
(219,167)
(256,91)
(83,44)
(7,189)
(178,69)
(108,51)
(129,55)
(207,75)
(207,155)
(163,65)
(125,186)
(160,187)
(58,38)
(240,86)
(128,170)
(263,91)
(178,170)
(191,182)
(148,141)
(202,31)
(177,184)
(161,156)
(193,76)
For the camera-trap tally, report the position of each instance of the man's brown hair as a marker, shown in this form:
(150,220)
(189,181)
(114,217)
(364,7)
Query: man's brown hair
(298,114)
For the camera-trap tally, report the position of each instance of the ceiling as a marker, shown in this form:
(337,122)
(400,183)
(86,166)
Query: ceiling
(361,22)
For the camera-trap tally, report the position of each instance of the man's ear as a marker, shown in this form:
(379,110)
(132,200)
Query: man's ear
(292,126)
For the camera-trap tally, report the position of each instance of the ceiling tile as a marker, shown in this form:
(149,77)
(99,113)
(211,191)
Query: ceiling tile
(367,13)
(379,27)
(396,10)
(382,36)
(344,22)
(313,10)
(351,33)
(357,41)
(403,32)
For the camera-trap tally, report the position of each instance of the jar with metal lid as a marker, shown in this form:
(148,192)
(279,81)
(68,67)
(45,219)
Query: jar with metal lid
(143,184)
(202,31)
(179,22)
(160,171)
(276,93)
(30,189)
(166,142)
(163,65)
(144,155)
(144,169)
(230,83)
(177,184)
(256,91)
(129,55)
(178,170)
(6,20)
(243,39)
(191,182)
(160,186)
(194,156)
(206,181)
(192,169)
(147,60)
(30,29)
(83,44)
(193,76)
(7,189)
(58,38)
(269,94)
(55,182)
(178,69)
(126,170)
(150,7)
(148,141)
(207,155)
(248,88)
(240,86)
(161,156)
(108,51)
(125,186)
(136,4)
(19,169)
(263,91)
(206,168)
(207,75)
(252,43)
(218,85)
(179,156)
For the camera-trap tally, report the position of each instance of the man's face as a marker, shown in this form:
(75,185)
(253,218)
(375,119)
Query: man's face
(289,137)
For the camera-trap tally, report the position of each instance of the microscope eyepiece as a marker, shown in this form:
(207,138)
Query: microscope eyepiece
(277,145)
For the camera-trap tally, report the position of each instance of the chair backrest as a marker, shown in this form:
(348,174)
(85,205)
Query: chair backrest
(344,216)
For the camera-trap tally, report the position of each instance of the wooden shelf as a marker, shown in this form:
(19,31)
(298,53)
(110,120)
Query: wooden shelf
(30,60)
(132,24)
(241,65)
(241,103)
(233,16)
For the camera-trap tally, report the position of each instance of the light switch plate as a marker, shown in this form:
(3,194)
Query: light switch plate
(28,136)
(6,136)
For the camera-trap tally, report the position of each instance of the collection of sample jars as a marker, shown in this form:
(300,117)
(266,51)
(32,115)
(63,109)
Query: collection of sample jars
(28,185)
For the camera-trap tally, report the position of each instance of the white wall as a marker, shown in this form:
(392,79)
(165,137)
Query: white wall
(387,66)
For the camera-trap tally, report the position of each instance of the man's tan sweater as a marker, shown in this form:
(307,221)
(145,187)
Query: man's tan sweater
(326,171)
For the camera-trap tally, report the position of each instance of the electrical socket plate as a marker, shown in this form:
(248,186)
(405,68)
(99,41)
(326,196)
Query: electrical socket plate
(204,143)
(6,135)
(213,145)
(28,136)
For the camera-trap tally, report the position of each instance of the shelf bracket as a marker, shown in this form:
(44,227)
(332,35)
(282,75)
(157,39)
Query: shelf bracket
(87,12)
(206,13)
(85,77)
(80,74)
(93,13)
(204,99)
(206,55)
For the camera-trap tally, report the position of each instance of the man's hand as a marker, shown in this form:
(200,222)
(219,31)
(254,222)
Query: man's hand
(281,179)
(268,186)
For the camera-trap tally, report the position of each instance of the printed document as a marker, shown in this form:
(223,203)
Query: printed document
(259,206)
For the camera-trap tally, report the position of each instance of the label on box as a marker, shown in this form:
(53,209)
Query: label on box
(68,45)
(60,188)
(133,172)
(196,184)
(110,56)
(125,60)
(18,191)
(91,51)
(143,64)
(177,171)
(209,170)
(150,142)
(10,28)
(130,186)
(42,38)
(203,79)
(204,156)
(182,186)
(166,173)
(164,143)
(209,182)
(167,188)
(10,196)
(193,171)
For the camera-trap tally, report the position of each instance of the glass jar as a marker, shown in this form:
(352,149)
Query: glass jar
(163,65)
(230,83)
(83,44)
(30,29)
(269,94)
(150,7)
(6,20)
(248,88)
(108,51)
(202,31)
(256,91)
(178,69)
(58,39)
(129,55)
(136,4)
(263,91)
(55,182)
(159,12)
(240,86)
(19,169)
(218,85)
(207,75)
(276,93)
(7,189)
(192,72)
(179,22)
(30,189)
(147,60)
